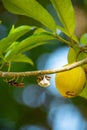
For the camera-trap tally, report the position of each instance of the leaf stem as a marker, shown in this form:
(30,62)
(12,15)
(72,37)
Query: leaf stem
(63,40)
(43,72)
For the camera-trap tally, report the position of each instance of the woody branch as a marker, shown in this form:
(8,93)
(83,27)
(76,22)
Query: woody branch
(43,72)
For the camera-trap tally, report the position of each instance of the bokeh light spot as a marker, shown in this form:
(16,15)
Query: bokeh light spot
(33,95)
(67,117)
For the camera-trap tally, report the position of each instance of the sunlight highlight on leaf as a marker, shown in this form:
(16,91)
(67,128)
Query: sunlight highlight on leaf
(65,12)
(31,8)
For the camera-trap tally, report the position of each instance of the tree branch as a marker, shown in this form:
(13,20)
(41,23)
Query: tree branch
(43,72)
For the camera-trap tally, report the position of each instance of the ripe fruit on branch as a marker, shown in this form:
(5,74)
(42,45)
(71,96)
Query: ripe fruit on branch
(70,83)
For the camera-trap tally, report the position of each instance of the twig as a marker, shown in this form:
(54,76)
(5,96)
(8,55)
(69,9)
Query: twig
(43,72)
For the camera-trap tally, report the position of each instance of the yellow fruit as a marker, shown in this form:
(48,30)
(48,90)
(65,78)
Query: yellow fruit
(70,83)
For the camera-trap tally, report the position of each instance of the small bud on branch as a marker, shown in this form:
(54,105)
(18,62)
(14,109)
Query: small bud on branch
(43,72)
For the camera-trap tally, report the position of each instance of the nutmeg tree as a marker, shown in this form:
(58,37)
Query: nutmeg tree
(13,50)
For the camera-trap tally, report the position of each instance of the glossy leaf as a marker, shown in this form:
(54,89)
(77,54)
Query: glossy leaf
(14,34)
(28,43)
(83,39)
(22,58)
(31,8)
(65,12)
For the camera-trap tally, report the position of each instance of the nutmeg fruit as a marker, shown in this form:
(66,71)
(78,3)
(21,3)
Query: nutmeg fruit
(70,83)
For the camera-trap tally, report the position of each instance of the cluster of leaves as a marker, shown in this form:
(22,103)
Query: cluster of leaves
(12,50)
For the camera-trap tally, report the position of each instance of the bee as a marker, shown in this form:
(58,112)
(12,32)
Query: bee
(15,84)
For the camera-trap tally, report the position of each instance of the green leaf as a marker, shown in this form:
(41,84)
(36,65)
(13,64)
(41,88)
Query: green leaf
(31,8)
(71,55)
(28,43)
(82,56)
(76,55)
(65,12)
(84,92)
(39,30)
(22,58)
(13,36)
(12,29)
(83,39)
